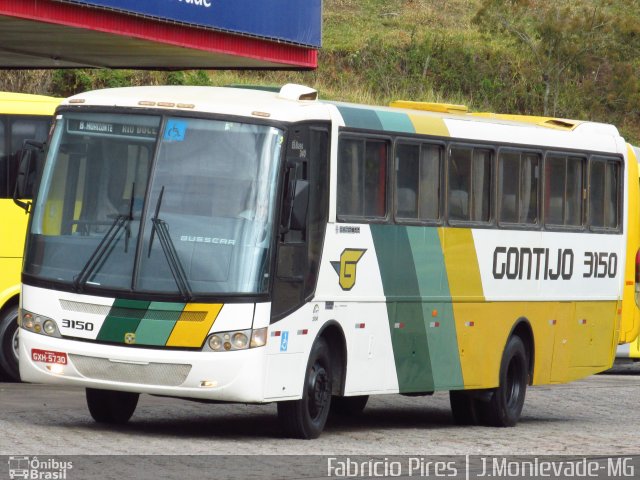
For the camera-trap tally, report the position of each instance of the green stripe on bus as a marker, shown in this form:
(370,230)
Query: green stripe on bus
(158,323)
(438,316)
(429,263)
(360,118)
(395,122)
(124,317)
(404,306)
(443,346)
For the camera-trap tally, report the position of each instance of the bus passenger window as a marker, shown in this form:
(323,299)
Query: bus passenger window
(529,181)
(418,181)
(518,187)
(362,176)
(563,192)
(407,180)
(603,193)
(459,183)
(508,174)
(470,173)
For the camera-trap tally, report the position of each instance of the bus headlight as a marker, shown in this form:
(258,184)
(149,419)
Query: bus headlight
(239,340)
(49,327)
(236,340)
(38,324)
(215,343)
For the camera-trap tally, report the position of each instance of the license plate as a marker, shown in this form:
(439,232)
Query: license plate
(47,356)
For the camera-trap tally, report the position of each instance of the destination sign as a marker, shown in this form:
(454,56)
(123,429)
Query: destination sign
(110,128)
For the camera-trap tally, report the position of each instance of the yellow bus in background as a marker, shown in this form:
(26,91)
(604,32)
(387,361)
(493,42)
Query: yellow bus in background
(22,117)
(629,347)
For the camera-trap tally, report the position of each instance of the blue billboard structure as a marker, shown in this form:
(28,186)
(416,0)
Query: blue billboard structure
(292,21)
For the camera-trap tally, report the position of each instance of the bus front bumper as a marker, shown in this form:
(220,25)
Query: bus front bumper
(233,376)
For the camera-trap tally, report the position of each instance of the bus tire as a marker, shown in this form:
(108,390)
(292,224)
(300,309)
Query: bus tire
(348,406)
(464,407)
(110,406)
(505,404)
(305,418)
(9,344)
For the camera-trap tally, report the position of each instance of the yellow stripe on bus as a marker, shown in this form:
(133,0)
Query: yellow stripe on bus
(188,333)
(461,262)
(426,125)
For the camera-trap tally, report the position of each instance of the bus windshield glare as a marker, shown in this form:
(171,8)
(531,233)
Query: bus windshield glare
(145,203)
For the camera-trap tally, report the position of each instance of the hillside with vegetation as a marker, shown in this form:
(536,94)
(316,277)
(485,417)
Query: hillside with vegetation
(577,59)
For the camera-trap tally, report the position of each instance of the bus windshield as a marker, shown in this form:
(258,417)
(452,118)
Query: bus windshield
(145,203)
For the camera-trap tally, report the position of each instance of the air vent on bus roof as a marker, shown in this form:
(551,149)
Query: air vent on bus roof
(430,107)
(559,123)
(292,91)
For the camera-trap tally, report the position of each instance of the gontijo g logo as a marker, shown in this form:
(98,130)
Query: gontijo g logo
(346,267)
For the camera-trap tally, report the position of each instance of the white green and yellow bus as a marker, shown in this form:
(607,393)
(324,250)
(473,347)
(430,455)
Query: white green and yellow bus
(236,245)
(22,117)
(629,348)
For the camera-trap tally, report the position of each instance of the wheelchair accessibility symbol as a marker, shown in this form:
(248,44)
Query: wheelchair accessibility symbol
(175,130)
(284,341)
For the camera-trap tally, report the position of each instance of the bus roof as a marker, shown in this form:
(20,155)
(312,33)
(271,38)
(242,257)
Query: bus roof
(297,103)
(27,104)
(291,105)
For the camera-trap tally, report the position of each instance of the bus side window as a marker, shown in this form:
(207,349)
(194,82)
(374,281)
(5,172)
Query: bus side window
(604,178)
(508,191)
(407,180)
(470,184)
(459,187)
(518,187)
(564,190)
(417,193)
(481,187)
(362,178)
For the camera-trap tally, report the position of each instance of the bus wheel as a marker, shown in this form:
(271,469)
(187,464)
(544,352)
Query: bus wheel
(110,406)
(305,418)
(464,407)
(9,344)
(345,406)
(506,402)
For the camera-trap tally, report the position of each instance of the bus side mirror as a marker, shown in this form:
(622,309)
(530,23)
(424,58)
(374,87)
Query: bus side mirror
(27,173)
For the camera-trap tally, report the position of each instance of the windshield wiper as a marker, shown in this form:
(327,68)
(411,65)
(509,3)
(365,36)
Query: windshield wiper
(120,222)
(169,249)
